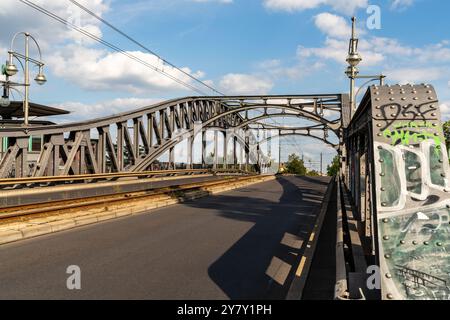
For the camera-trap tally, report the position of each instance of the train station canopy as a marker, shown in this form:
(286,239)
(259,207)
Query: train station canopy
(15,110)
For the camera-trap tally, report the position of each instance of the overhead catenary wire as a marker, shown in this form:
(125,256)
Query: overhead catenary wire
(142,46)
(109,45)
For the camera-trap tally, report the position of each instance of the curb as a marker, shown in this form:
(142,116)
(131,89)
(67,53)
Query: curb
(298,283)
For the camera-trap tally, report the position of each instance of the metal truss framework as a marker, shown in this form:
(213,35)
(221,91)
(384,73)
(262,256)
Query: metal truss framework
(132,141)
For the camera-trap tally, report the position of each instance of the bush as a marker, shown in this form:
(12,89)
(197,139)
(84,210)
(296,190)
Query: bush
(333,169)
(295,165)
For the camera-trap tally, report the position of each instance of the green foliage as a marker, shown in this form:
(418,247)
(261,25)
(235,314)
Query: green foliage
(295,165)
(333,169)
(447,133)
(313,173)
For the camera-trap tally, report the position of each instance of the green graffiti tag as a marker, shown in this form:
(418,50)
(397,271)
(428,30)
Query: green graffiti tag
(408,133)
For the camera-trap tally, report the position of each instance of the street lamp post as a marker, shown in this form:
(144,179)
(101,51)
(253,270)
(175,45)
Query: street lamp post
(352,72)
(10,70)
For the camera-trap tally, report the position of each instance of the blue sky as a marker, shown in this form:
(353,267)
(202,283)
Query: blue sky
(238,46)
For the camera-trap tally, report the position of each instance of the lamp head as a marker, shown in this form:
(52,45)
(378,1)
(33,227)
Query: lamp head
(11,69)
(40,78)
(354,59)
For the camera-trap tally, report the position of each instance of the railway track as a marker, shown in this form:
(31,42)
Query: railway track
(175,192)
(28,182)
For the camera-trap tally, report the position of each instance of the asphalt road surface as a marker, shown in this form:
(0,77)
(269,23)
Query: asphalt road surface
(243,244)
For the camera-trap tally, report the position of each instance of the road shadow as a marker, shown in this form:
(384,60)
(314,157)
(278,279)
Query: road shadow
(262,263)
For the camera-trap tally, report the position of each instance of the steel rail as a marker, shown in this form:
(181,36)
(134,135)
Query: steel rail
(114,198)
(113,176)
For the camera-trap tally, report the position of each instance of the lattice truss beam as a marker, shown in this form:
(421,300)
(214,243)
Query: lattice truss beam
(132,141)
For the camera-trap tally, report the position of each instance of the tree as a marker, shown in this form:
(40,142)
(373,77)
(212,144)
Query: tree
(295,165)
(447,133)
(313,173)
(333,169)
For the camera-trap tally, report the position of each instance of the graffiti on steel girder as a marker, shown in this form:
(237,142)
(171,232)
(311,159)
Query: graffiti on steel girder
(412,133)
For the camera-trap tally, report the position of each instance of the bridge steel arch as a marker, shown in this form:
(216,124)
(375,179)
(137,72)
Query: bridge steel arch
(132,141)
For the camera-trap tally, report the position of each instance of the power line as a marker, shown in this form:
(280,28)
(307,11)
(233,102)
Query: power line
(142,46)
(109,45)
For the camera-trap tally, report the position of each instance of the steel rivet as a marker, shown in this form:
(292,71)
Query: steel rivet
(388,275)
(392,99)
(439,244)
(387,256)
(402,242)
(415,243)
(385,220)
(426,243)
(390,296)
(383,189)
(386,238)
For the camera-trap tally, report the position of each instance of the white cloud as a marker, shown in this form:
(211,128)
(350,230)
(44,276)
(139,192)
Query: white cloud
(401,4)
(333,25)
(337,50)
(72,56)
(234,83)
(414,75)
(83,111)
(95,69)
(219,1)
(16,16)
(343,6)
(384,52)
(445,110)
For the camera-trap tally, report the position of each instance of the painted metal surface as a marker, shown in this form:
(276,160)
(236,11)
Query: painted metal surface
(132,141)
(398,134)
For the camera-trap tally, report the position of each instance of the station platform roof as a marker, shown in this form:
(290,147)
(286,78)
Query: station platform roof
(15,110)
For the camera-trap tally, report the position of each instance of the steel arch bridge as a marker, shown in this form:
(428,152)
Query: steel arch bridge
(132,141)
(394,162)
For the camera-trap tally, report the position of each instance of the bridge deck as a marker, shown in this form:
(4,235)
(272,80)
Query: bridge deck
(240,244)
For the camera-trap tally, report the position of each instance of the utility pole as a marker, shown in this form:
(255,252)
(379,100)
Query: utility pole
(279,152)
(321,163)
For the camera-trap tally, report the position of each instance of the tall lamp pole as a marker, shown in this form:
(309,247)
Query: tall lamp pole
(352,72)
(10,70)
